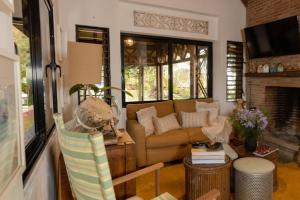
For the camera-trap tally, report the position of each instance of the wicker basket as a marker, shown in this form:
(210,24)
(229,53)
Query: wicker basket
(199,179)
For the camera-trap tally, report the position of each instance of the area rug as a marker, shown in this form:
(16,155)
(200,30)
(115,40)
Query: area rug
(172,181)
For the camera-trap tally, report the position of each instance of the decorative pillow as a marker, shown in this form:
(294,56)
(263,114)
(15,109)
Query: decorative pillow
(213,111)
(165,123)
(194,119)
(145,116)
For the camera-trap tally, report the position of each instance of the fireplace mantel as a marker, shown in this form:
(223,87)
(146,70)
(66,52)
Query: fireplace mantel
(275,74)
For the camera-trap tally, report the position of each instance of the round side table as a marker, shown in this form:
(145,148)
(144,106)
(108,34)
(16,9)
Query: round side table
(201,178)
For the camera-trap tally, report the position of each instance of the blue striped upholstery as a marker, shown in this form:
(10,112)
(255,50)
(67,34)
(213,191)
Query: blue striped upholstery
(86,163)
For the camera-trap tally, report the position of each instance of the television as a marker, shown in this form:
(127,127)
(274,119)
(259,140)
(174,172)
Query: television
(276,38)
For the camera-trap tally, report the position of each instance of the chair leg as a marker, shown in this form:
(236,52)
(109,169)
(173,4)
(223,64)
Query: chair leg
(157,182)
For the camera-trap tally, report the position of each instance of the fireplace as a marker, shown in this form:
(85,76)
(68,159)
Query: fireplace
(283,104)
(280,96)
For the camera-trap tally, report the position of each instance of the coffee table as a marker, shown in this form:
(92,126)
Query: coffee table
(273,157)
(201,178)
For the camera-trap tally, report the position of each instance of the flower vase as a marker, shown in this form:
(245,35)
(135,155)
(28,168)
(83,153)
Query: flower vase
(251,144)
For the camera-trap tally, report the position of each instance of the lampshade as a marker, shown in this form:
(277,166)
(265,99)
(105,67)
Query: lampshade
(85,63)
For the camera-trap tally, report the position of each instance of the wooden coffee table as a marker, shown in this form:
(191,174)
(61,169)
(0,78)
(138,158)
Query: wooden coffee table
(201,178)
(273,157)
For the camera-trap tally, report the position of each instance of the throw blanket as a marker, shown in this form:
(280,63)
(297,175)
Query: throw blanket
(220,131)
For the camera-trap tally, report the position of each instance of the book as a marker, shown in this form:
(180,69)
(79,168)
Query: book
(222,161)
(205,151)
(208,157)
(264,150)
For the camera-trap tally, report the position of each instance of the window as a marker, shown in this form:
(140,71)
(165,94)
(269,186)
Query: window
(159,68)
(31,33)
(96,35)
(234,84)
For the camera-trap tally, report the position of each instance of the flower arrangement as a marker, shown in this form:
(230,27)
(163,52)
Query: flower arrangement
(250,123)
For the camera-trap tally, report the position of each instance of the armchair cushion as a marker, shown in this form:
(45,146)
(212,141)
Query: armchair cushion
(170,138)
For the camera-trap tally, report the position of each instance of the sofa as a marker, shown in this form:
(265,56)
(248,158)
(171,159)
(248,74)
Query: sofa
(169,146)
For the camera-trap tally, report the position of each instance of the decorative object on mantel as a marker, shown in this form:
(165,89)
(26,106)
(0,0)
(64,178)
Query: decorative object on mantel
(273,68)
(280,67)
(266,68)
(260,69)
(166,22)
(250,123)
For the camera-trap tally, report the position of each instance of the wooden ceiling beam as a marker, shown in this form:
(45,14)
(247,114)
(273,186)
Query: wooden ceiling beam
(245,2)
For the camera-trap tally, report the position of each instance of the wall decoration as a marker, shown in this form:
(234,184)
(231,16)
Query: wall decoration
(266,68)
(280,67)
(158,21)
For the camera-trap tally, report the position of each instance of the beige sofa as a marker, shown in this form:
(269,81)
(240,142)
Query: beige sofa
(172,145)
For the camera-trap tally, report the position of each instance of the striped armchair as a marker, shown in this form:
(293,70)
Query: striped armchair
(88,170)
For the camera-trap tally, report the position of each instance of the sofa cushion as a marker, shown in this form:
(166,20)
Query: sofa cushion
(194,119)
(163,108)
(145,116)
(170,138)
(188,105)
(195,134)
(212,108)
(165,124)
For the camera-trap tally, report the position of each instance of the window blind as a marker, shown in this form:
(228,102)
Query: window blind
(234,85)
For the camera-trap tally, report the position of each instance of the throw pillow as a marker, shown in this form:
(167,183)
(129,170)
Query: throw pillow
(145,116)
(165,123)
(213,111)
(194,119)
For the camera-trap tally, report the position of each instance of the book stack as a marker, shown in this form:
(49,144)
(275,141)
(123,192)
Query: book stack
(204,155)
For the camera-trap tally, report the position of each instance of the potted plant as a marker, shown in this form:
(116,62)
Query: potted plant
(250,124)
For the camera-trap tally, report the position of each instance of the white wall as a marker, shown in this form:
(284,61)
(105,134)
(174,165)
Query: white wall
(114,14)
(41,183)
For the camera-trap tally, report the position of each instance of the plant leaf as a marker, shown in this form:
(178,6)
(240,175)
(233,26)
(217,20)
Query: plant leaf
(115,88)
(94,88)
(75,88)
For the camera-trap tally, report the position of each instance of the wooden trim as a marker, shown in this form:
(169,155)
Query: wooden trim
(275,74)
(136,174)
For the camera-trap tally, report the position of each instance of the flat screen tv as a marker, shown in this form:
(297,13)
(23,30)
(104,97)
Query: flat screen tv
(276,38)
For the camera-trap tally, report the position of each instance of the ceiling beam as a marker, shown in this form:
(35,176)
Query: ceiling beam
(245,2)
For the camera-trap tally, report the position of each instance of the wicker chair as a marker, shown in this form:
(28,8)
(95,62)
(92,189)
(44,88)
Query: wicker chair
(88,171)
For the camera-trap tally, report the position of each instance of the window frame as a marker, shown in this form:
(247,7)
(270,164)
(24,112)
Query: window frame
(239,87)
(106,53)
(170,41)
(35,147)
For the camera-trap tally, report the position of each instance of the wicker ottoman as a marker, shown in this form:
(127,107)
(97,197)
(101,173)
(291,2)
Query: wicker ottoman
(253,179)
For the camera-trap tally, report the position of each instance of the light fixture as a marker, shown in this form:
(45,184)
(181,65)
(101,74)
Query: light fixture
(129,42)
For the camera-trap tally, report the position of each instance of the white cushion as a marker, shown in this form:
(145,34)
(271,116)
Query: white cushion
(212,108)
(165,123)
(194,119)
(145,116)
(253,165)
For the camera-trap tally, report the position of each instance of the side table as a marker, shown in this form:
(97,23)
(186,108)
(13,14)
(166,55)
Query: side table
(201,178)
(273,157)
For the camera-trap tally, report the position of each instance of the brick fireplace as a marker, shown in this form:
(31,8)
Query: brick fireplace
(270,91)
(280,96)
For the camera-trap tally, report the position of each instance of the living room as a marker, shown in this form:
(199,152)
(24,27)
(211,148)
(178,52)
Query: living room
(166,80)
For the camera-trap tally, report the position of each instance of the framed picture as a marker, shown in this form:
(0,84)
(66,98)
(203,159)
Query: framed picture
(12,158)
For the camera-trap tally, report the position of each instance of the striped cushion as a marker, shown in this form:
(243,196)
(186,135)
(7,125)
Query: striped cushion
(194,119)
(86,163)
(165,123)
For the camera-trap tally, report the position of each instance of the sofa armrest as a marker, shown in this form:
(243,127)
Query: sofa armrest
(137,132)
